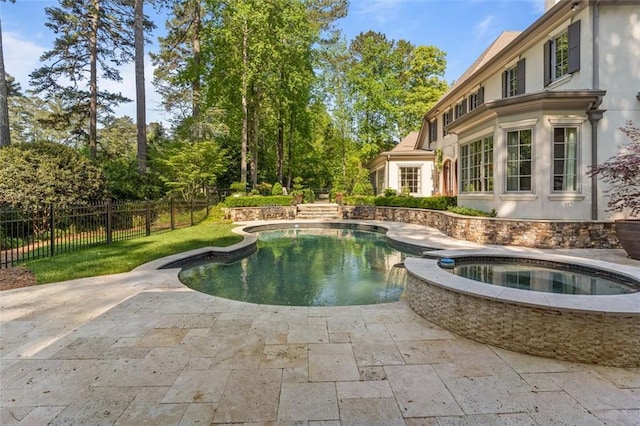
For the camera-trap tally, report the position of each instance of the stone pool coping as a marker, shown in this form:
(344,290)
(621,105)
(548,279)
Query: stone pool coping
(620,304)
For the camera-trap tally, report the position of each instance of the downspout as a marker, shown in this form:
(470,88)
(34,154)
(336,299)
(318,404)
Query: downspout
(386,168)
(594,114)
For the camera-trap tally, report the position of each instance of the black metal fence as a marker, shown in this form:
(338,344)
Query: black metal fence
(44,232)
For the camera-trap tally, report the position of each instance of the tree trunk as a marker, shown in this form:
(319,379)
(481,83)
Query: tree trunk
(197,58)
(93,81)
(5,136)
(245,112)
(141,108)
(280,148)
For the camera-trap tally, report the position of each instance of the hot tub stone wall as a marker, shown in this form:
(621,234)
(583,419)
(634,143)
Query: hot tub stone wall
(517,232)
(594,338)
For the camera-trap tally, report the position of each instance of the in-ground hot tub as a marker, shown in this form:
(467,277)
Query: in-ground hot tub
(597,329)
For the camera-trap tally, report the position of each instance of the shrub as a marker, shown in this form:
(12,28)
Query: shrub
(258,201)
(42,173)
(276,189)
(432,203)
(308,196)
(466,211)
(239,187)
(360,200)
(264,188)
(363,188)
(390,192)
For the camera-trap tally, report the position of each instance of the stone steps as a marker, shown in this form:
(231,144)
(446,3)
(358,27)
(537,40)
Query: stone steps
(317,211)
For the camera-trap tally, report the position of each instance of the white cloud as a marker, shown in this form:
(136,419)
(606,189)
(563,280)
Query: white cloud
(484,26)
(379,10)
(21,57)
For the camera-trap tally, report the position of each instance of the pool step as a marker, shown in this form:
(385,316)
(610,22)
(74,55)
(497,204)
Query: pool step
(317,211)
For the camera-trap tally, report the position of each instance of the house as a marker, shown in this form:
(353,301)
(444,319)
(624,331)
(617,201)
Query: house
(405,166)
(521,127)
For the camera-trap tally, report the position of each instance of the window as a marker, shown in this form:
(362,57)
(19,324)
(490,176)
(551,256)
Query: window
(562,54)
(476,99)
(410,178)
(519,160)
(433,130)
(513,82)
(447,118)
(461,109)
(477,166)
(565,159)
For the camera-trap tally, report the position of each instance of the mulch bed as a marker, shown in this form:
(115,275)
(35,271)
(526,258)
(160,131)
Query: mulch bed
(16,277)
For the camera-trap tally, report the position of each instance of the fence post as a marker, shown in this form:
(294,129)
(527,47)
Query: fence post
(192,207)
(109,217)
(173,225)
(148,217)
(52,231)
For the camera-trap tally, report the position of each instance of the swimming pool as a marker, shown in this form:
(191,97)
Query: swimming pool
(306,267)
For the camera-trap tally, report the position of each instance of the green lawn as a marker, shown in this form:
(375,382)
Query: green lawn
(123,256)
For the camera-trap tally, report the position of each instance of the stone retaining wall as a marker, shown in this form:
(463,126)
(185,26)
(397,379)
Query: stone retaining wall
(484,230)
(595,338)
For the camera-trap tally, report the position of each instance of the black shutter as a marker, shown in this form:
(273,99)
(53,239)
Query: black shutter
(481,95)
(520,73)
(547,63)
(435,129)
(574,47)
(464,107)
(505,82)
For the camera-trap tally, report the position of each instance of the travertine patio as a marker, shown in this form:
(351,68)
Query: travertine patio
(140,348)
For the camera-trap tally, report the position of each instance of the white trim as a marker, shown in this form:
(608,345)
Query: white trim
(515,125)
(518,197)
(564,196)
(560,81)
(488,131)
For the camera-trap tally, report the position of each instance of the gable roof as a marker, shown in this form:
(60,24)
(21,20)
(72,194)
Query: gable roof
(498,44)
(407,144)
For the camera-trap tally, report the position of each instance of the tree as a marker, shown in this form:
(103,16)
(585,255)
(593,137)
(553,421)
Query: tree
(92,36)
(37,174)
(141,104)
(5,134)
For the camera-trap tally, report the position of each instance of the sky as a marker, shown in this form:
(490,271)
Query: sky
(461,28)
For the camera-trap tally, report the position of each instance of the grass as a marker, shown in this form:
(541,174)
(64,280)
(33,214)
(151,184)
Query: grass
(123,256)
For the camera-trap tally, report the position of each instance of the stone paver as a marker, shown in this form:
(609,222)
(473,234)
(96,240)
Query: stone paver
(140,348)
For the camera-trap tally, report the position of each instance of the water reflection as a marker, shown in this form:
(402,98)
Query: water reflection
(307,267)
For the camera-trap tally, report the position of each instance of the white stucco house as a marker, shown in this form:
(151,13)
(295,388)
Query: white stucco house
(521,127)
(404,166)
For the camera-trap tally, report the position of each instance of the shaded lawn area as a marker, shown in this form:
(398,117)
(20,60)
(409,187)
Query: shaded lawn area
(123,256)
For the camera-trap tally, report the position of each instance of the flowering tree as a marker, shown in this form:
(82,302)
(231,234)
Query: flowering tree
(622,173)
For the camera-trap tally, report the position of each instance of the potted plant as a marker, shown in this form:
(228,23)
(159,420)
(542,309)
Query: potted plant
(297,191)
(622,173)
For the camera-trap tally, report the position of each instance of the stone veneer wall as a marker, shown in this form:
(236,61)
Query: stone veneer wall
(484,230)
(487,230)
(595,338)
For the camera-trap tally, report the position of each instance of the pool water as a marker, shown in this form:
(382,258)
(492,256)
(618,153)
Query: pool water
(306,267)
(525,276)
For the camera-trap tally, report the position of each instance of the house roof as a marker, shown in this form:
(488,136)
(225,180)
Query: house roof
(498,44)
(407,144)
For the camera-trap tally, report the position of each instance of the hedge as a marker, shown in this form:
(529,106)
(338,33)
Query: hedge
(360,200)
(259,200)
(432,203)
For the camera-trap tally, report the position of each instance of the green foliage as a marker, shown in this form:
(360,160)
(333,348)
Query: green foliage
(360,200)
(390,192)
(239,187)
(189,168)
(466,211)
(432,203)
(276,189)
(308,196)
(37,174)
(264,188)
(362,188)
(259,201)
(297,186)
